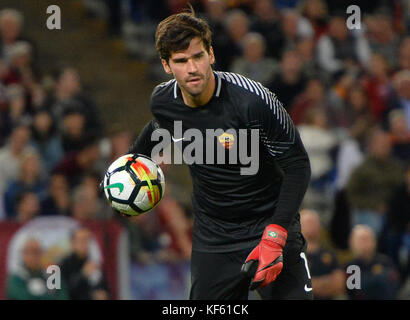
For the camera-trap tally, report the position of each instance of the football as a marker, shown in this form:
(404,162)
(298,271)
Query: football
(134,184)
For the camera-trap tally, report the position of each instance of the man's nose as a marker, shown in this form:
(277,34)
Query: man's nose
(192,68)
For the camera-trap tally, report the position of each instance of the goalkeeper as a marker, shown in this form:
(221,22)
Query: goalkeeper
(246,231)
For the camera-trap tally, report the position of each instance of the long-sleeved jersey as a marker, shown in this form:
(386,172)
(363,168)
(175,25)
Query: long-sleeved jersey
(231,209)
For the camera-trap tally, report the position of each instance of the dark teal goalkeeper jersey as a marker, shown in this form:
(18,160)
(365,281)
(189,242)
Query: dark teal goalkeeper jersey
(231,209)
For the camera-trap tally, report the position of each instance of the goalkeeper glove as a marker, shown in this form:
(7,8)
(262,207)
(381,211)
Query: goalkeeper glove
(266,257)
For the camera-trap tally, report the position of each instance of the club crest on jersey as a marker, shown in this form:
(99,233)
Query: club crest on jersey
(227,140)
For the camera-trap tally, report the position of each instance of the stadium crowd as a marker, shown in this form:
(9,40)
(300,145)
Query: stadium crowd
(348,92)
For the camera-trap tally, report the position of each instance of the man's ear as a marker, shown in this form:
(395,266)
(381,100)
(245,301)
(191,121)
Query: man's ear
(166,66)
(212,55)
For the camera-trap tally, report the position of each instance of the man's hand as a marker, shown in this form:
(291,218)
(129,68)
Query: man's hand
(266,257)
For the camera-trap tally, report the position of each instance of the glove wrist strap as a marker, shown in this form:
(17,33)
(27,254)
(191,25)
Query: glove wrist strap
(275,233)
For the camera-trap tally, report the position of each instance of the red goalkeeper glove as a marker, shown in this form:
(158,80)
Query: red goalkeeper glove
(266,257)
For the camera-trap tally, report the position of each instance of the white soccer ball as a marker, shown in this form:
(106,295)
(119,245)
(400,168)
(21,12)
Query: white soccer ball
(134,184)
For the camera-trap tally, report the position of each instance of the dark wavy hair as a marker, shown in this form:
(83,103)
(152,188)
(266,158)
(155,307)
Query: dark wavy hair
(176,32)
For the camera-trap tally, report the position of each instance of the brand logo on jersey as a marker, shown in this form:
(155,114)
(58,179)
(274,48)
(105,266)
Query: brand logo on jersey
(227,140)
(307,289)
(119,185)
(177,139)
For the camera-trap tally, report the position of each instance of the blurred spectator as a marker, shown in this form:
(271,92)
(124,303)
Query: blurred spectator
(120,141)
(349,156)
(316,12)
(236,26)
(73,130)
(314,96)
(371,183)
(319,142)
(17,104)
(305,48)
(289,81)
(341,86)
(69,94)
(27,206)
(358,121)
(75,164)
(267,23)
(11,154)
(328,279)
(84,277)
(176,224)
(401,96)
(294,27)
(21,57)
(377,85)
(358,118)
(11,22)
(85,204)
(90,182)
(399,135)
(57,201)
(30,179)
(114,146)
(378,277)
(163,235)
(215,13)
(338,50)
(46,139)
(37,94)
(397,233)
(253,63)
(5,121)
(382,38)
(30,281)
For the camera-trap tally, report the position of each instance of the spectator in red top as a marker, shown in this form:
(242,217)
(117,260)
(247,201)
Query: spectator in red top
(314,96)
(74,165)
(316,12)
(377,85)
